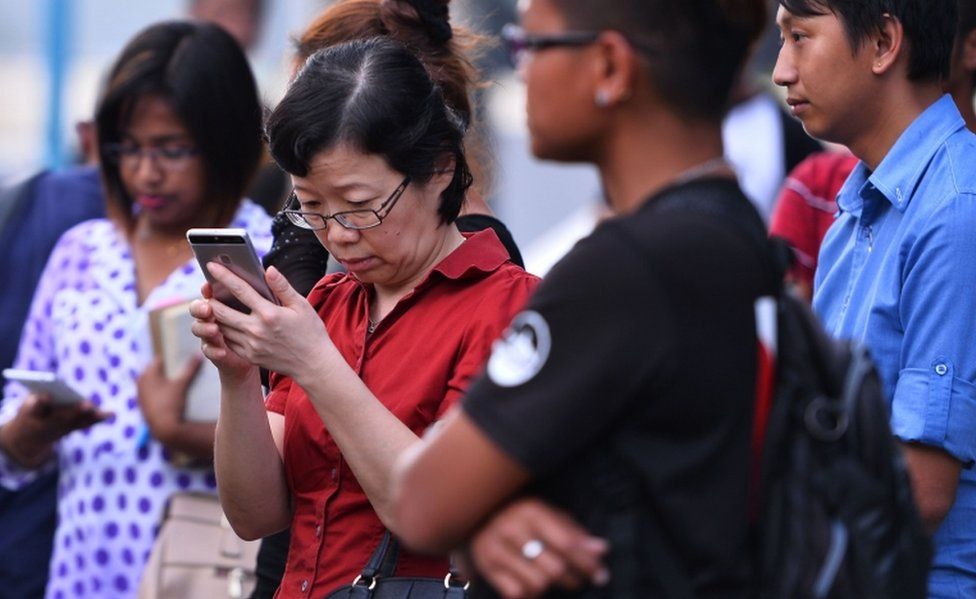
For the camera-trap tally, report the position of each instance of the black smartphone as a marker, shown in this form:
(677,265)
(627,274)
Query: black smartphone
(231,248)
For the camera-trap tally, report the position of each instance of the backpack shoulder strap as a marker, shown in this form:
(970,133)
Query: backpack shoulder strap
(625,502)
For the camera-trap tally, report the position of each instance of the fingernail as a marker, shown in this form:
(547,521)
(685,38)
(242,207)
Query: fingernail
(602,577)
(596,544)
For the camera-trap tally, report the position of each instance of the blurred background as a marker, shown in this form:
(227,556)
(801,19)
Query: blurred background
(53,54)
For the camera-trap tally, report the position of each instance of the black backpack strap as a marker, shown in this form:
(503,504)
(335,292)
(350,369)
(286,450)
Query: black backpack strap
(713,201)
(625,503)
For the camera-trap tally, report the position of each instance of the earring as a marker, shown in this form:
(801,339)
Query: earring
(602,98)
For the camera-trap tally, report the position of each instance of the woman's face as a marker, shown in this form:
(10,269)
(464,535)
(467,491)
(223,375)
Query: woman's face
(160,167)
(405,245)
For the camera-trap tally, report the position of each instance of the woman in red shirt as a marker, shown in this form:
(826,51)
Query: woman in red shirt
(375,355)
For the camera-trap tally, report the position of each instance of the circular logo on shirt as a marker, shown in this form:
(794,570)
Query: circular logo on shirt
(521,352)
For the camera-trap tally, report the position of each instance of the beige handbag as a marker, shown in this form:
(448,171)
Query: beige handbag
(197,554)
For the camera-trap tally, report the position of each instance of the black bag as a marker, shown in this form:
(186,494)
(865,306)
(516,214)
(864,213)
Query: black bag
(837,514)
(377,580)
(837,518)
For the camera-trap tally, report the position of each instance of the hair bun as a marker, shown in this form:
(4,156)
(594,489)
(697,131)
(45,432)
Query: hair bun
(434,15)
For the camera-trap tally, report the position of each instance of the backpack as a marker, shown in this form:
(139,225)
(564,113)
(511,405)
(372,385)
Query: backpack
(835,517)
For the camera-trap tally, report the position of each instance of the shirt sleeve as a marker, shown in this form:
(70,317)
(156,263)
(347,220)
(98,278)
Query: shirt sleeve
(570,365)
(35,352)
(493,315)
(279,388)
(934,401)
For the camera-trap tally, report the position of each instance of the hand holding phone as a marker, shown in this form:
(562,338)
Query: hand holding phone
(54,411)
(232,249)
(46,383)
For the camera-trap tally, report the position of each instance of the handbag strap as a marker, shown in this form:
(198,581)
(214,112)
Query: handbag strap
(383,563)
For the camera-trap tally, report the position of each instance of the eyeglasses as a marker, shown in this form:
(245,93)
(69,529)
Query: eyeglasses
(519,43)
(350,219)
(129,156)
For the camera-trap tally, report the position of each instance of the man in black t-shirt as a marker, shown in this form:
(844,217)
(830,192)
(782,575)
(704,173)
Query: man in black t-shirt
(634,355)
(621,399)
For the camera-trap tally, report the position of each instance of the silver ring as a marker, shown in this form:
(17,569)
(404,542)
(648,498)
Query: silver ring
(533,549)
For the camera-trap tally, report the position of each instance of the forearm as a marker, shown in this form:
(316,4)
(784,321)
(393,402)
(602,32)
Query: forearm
(195,439)
(250,474)
(369,436)
(935,478)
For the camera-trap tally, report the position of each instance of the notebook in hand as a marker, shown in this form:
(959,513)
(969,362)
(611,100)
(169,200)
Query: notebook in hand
(176,345)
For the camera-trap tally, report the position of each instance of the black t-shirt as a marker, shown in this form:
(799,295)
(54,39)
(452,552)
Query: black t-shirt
(638,351)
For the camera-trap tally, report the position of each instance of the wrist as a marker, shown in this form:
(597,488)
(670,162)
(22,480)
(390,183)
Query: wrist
(244,378)
(26,452)
(322,368)
(163,429)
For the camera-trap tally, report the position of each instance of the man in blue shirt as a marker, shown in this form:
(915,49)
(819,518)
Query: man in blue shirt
(898,268)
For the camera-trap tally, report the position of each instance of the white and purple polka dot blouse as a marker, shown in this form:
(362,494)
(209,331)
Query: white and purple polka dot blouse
(85,324)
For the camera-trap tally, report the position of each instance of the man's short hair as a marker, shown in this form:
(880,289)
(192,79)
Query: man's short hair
(695,49)
(930,26)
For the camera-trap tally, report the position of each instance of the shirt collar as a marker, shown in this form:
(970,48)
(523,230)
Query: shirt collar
(480,252)
(900,170)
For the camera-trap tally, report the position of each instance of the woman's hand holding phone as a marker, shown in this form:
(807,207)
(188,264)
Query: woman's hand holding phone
(286,338)
(213,345)
(29,438)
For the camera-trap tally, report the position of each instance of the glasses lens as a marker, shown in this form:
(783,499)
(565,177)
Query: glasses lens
(358,219)
(173,158)
(295,219)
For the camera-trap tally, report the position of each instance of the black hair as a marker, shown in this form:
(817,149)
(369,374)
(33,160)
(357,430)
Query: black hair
(930,26)
(694,49)
(202,72)
(375,96)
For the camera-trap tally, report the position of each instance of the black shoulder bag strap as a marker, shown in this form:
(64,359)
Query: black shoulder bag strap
(382,564)
(625,503)
(622,493)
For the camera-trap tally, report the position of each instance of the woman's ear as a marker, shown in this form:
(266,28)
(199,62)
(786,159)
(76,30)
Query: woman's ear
(443,173)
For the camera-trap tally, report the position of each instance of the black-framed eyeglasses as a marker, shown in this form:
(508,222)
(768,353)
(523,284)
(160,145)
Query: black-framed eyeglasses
(363,218)
(519,42)
(169,157)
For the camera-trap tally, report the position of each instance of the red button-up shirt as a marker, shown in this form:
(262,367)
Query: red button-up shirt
(418,362)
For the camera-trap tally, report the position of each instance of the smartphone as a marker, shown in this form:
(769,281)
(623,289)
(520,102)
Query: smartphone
(45,382)
(231,248)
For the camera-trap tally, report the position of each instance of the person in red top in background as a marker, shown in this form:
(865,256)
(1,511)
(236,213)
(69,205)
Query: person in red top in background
(805,210)
(376,354)
(807,202)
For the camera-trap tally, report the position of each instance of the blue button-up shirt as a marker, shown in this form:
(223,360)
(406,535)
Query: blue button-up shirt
(898,272)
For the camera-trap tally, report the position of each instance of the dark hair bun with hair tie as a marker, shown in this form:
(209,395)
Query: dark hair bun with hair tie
(434,15)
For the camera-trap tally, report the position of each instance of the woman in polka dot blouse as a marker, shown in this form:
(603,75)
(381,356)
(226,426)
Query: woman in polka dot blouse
(180,128)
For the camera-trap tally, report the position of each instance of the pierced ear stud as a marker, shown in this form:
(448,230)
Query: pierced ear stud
(602,98)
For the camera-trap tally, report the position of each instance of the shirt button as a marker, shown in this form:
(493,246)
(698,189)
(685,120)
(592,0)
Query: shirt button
(304,585)
(941,369)
(318,530)
(334,473)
